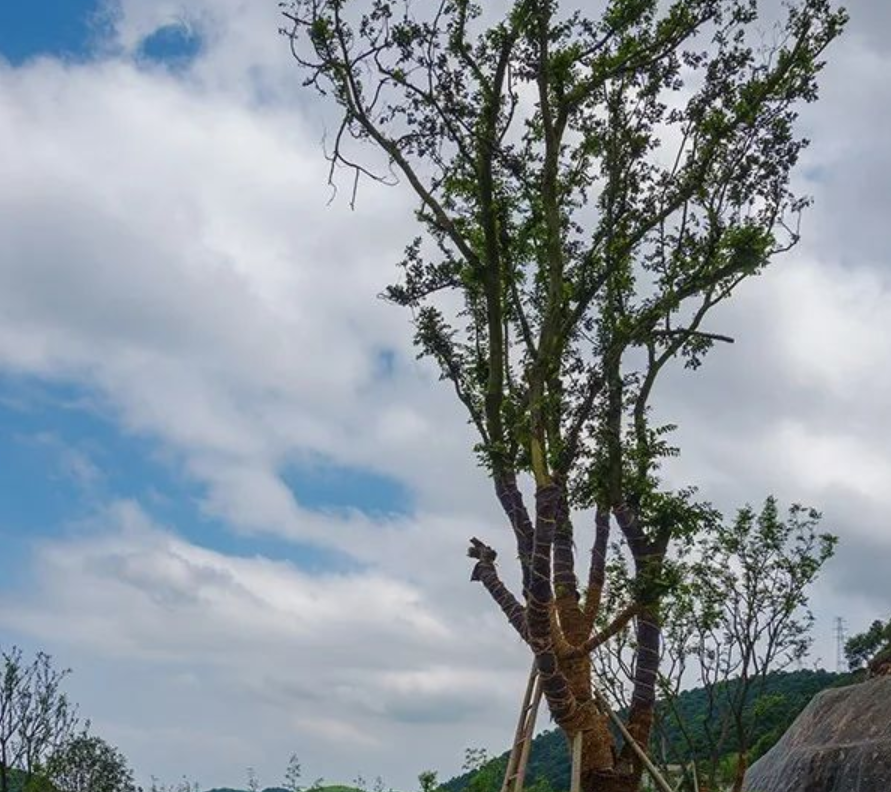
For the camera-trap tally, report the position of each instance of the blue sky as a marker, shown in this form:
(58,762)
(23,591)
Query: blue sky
(74,29)
(64,455)
(62,28)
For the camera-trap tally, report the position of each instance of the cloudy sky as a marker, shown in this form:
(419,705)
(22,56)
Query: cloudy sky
(218,453)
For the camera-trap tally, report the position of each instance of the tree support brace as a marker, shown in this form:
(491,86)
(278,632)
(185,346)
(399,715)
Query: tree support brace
(515,774)
(663,785)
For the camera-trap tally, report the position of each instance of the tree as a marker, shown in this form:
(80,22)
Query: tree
(860,648)
(589,190)
(487,772)
(292,775)
(428,781)
(253,783)
(379,785)
(36,717)
(87,763)
(747,618)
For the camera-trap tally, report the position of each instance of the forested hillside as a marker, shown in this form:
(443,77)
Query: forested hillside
(784,696)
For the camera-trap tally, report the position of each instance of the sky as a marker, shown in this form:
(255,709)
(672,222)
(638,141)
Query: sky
(232,500)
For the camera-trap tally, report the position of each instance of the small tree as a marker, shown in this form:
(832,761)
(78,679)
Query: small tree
(751,617)
(860,648)
(88,763)
(589,190)
(379,785)
(253,783)
(428,781)
(36,716)
(292,775)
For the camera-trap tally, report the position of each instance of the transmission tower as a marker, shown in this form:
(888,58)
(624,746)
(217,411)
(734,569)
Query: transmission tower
(841,634)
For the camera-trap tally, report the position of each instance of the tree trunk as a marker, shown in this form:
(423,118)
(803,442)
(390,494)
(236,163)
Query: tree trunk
(742,763)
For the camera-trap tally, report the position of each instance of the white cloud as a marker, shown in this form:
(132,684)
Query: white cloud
(351,661)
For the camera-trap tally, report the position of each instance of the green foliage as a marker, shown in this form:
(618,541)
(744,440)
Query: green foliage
(860,648)
(87,763)
(564,243)
(35,714)
(786,696)
(427,781)
(771,711)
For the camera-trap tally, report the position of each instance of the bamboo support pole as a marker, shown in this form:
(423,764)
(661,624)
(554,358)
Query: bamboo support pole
(663,785)
(529,730)
(577,743)
(515,772)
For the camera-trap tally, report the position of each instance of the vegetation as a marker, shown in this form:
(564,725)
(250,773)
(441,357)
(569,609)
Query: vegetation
(741,614)
(87,763)
(427,781)
(787,694)
(589,190)
(36,717)
(683,731)
(862,647)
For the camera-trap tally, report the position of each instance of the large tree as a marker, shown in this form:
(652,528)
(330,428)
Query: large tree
(589,189)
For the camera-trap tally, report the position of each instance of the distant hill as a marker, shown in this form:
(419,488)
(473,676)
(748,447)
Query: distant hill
(329,788)
(229,789)
(789,692)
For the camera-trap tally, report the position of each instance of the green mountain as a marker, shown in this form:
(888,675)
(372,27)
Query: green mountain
(784,696)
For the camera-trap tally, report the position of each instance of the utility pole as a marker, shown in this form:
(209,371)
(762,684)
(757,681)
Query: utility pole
(840,636)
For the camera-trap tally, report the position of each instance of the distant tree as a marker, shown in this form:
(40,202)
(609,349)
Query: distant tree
(184,785)
(428,781)
(292,775)
(379,785)
(487,771)
(752,616)
(87,763)
(733,616)
(860,648)
(589,189)
(36,717)
(253,783)
(474,759)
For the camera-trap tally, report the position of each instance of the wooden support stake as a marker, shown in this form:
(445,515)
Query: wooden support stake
(516,768)
(577,742)
(529,728)
(641,753)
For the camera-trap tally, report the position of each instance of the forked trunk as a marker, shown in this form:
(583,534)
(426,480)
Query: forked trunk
(560,629)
